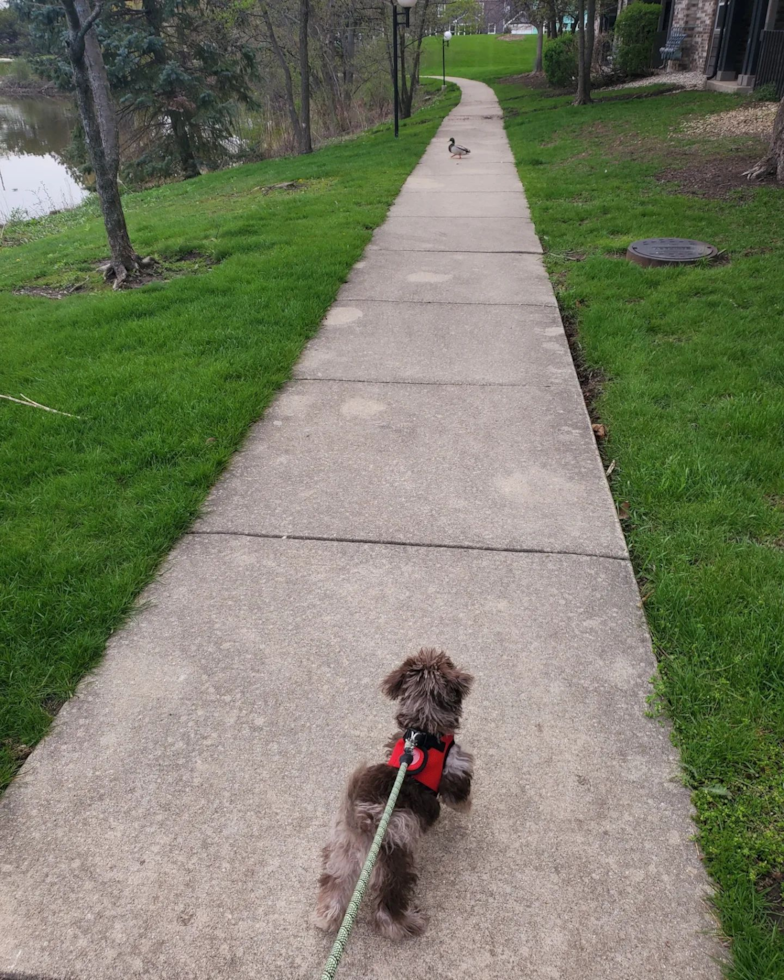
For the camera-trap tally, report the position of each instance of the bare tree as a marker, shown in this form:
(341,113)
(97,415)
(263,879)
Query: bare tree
(536,12)
(100,130)
(539,62)
(300,118)
(413,45)
(584,51)
(590,41)
(305,139)
(772,164)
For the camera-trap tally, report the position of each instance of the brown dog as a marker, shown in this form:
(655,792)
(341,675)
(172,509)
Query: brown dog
(430,690)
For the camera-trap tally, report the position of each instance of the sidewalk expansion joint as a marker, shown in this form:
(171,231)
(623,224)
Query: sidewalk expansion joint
(344,300)
(435,193)
(434,384)
(451,251)
(430,545)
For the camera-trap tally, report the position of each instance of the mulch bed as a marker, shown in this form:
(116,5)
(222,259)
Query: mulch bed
(714,176)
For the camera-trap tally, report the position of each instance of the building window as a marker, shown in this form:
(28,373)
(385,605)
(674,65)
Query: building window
(491,28)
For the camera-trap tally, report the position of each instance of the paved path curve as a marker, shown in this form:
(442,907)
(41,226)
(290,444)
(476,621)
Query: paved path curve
(430,477)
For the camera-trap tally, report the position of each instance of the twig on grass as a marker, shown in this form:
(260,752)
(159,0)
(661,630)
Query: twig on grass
(24,400)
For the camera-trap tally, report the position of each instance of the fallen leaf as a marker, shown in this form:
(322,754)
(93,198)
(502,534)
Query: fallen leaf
(610,469)
(718,790)
(623,511)
(599,430)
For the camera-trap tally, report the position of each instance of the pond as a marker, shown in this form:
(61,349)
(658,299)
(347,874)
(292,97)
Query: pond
(33,178)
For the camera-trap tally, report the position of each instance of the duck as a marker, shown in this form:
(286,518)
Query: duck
(456,150)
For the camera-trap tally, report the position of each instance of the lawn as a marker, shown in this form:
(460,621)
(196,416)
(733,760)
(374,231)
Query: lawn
(693,401)
(480,56)
(163,382)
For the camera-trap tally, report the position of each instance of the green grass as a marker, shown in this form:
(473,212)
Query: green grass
(694,405)
(482,57)
(165,381)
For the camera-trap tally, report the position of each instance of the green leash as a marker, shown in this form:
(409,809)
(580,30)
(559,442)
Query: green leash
(333,961)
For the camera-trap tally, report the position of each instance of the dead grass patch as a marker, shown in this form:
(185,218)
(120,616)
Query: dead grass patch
(713,177)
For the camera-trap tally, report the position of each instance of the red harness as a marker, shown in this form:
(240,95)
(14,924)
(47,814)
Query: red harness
(429,759)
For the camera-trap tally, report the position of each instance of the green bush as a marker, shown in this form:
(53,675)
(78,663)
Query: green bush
(765,93)
(635,34)
(560,61)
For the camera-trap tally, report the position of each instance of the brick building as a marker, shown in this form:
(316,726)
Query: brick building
(736,43)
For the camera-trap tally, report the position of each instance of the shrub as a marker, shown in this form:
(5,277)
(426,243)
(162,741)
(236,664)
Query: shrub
(560,61)
(765,93)
(635,33)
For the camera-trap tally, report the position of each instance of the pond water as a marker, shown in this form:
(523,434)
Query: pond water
(33,178)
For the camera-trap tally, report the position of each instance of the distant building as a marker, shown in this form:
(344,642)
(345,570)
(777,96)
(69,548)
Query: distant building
(498,17)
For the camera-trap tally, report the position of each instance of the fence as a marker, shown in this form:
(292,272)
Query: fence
(771,62)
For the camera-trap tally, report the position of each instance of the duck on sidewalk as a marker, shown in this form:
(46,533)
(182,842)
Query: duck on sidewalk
(456,150)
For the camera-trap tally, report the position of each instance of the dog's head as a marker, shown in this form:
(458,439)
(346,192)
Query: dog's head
(430,690)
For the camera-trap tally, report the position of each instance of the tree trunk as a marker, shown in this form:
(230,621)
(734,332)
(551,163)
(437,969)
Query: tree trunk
(772,164)
(405,97)
(188,164)
(590,40)
(305,140)
(291,104)
(91,92)
(538,66)
(349,48)
(583,75)
(409,86)
(102,95)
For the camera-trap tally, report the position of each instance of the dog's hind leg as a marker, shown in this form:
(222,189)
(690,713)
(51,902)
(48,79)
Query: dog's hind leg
(344,855)
(392,887)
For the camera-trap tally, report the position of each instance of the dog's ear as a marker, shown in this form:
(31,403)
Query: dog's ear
(461,682)
(392,685)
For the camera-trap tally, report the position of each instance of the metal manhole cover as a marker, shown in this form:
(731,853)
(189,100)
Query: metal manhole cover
(669,251)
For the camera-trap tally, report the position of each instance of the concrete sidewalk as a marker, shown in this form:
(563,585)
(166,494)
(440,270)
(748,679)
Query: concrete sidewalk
(429,478)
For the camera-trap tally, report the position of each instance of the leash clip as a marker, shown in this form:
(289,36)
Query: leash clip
(412,739)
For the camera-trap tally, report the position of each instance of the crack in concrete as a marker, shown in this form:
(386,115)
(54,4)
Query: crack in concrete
(434,545)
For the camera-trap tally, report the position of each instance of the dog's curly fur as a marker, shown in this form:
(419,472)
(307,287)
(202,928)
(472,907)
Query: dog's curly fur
(430,691)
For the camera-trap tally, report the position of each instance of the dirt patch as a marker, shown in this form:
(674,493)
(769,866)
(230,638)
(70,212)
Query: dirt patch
(286,185)
(52,704)
(714,176)
(537,81)
(753,120)
(50,292)
(154,271)
(772,888)
(591,380)
(17,750)
(637,95)
(189,264)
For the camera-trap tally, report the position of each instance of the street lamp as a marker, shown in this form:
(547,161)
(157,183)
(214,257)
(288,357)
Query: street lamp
(406,5)
(444,45)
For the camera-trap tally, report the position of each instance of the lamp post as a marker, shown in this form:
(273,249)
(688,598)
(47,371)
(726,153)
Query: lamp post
(444,45)
(406,5)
